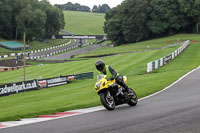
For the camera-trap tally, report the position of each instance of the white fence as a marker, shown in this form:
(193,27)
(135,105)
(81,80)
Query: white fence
(162,61)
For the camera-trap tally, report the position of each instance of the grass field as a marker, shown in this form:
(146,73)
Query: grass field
(84,23)
(140,46)
(81,94)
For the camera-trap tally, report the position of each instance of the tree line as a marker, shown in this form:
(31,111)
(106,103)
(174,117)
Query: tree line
(77,7)
(73,7)
(101,8)
(136,20)
(37,18)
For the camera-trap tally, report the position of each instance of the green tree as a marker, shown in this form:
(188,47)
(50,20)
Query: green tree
(55,20)
(73,7)
(85,9)
(30,21)
(113,26)
(6,29)
(136,20)
(23,22)
(166,17)
(192,9)
(135,16)
(37,26)
(36,18)
(95,9)
(128,22)
(104,8)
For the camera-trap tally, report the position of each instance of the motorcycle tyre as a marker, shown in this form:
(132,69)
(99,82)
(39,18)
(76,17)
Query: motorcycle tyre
(105,104)
(133,103)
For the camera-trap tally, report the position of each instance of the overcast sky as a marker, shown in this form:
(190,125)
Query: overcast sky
(90,3)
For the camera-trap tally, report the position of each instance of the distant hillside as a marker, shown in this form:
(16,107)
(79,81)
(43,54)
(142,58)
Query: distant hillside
(84,23)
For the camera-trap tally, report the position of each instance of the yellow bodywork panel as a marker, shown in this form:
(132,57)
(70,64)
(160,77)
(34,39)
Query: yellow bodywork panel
(103,83)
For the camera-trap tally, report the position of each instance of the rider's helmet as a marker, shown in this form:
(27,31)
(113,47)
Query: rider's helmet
(100,65)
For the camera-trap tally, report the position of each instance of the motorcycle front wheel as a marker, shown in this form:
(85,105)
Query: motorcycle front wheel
(107,100)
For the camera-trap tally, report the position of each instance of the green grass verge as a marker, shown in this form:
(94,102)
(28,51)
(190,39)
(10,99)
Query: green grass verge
(81,94)
(84,23)
(140,46)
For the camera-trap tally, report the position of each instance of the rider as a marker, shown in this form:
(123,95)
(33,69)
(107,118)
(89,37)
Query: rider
(111,74)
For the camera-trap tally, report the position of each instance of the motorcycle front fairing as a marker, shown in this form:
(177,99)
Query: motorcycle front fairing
(102,83)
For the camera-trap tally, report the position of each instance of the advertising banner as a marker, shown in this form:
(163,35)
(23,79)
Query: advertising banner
(168,58)
(98,37)
(42,83)
(71,78)
(52,82)
(18,87)
(14,88)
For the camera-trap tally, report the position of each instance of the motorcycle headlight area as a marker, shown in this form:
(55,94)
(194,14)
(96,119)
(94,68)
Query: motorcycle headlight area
(98,85)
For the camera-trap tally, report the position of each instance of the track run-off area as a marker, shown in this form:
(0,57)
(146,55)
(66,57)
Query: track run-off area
(175,109)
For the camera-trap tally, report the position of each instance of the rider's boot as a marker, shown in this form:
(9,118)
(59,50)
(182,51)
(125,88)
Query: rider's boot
(129,90)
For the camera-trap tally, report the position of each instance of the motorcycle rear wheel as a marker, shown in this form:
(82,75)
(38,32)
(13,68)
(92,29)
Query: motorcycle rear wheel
(133,100)
(107,101)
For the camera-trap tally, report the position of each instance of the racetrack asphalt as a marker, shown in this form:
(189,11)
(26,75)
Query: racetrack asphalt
(175,110)
(68,54)
(73,52)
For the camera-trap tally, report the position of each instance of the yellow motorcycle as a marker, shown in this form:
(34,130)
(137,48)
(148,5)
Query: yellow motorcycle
(111,94)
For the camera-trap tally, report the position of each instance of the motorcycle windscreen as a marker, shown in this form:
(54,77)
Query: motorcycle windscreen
(99,77)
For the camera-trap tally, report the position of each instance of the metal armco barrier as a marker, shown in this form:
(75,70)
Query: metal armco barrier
(162,61)
(14,88)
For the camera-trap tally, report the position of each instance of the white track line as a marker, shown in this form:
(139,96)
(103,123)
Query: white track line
(81,111)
